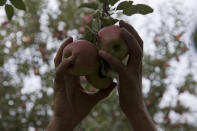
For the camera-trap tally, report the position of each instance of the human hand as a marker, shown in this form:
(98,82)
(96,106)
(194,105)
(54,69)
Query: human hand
(130,80)
(71,103)
(129,76)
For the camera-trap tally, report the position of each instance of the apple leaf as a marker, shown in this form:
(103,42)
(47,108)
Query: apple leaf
(90,33)
(124,5)
(95,26)
(2,2)
(9,11)
(144,9)
(108,21)
(19,4)
(97,14)
(113,2)
(138,9)
(91,5)
(101,1)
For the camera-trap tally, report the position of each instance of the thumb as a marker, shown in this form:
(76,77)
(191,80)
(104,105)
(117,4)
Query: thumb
(60,70)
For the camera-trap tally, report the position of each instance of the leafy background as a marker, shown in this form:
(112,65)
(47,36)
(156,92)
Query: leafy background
(28,44)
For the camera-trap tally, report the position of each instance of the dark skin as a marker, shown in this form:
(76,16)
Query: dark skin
(130,80)
(72,104)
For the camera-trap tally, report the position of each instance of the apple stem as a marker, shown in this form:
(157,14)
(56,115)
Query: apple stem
(105,12)
(104,8)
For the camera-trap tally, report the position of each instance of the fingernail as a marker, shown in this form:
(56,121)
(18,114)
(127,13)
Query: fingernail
(121,22)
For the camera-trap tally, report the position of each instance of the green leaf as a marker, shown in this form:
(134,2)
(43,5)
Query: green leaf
(130,11)
(113,2)
(144,9)
(138,9)
(9,11)
(89,33)
(19,4)
(101,1)
(95,26)
(91,5)
(109,21)
(124,5)
(97,14)
(2,2)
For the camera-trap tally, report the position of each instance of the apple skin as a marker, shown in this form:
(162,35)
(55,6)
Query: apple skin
(86,57)
(109,40)
(99,82)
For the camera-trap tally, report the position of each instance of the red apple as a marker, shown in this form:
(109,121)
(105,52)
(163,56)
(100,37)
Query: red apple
(99,82)
(109,40)
(27,39)
(87,18)
(86,57)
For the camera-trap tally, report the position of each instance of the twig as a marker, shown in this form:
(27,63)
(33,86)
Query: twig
(104,12)
(104,8)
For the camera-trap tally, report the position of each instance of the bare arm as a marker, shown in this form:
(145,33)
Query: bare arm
(59,125)
(71,103)
(130,80)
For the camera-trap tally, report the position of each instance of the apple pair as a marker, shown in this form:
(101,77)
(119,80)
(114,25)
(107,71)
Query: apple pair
(87,62)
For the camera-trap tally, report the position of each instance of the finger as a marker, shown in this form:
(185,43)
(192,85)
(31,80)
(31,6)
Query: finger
(58,57)
(132,31)
(113,62)
(62,67)
(103,93)
(135,51)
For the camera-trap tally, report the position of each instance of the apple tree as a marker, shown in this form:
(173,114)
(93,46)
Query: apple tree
(30,40)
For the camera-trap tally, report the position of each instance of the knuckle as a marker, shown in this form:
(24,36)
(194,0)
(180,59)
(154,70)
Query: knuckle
(56,72)
(55,60)
(141,41)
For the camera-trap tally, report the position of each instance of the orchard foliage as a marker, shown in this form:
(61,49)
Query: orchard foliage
(103,10)
(27,47)
(100,17)
(9,8)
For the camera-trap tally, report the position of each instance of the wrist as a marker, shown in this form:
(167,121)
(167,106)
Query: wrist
(141,114)
(59,124)
(134,109)
(67,125)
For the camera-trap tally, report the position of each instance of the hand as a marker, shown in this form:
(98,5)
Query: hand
(130,80)
(130,76)
(71,103)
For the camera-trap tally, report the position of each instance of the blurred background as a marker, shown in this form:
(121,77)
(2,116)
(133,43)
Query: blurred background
(29,42)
